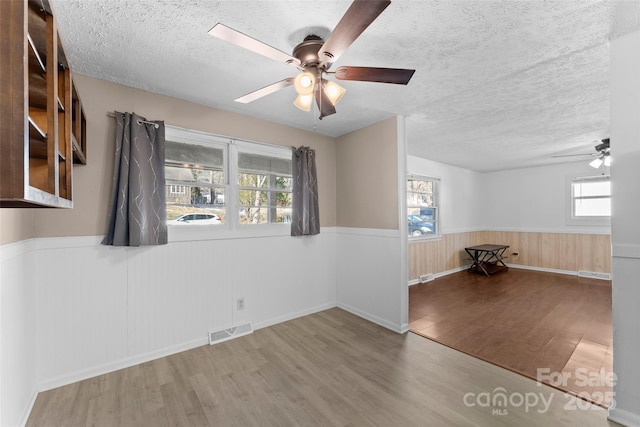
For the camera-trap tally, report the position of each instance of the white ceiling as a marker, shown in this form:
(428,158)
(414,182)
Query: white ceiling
(498,84)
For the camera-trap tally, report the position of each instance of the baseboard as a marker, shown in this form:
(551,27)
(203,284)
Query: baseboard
(544,269)
(626,418)
(119,364)
(147,357)
(591,275)
(441,274)
(398,328)
(29,407)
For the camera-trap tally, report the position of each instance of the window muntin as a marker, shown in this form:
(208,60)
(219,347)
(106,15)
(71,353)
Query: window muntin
(591,197)
(422,206)
(264,188)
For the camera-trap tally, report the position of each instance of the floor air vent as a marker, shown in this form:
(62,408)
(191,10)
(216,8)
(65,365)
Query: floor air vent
(229,334)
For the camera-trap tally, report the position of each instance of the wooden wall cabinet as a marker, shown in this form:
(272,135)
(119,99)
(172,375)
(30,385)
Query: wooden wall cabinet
(43,126)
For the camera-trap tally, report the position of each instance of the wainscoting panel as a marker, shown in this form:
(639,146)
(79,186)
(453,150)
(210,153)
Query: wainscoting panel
(438,256)
(18,346)
(368,275)
(115,307)
(556,251)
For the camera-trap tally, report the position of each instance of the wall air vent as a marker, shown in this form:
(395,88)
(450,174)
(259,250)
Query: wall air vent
(594,275)
(229,334)
(426,278)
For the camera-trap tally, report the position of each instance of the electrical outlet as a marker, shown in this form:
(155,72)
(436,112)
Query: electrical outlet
(240,304)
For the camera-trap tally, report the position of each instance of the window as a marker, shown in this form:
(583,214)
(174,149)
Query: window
(591,197)
(264,188)
(422,206)
(211,180)
(177,189)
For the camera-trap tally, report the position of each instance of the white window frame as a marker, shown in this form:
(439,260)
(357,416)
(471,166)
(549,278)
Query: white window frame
(436,206)
(231,227)
(572,219)
(261,149)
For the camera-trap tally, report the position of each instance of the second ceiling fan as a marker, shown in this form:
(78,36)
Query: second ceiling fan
(314,57)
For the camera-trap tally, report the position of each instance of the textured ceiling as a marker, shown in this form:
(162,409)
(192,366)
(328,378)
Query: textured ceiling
(498,84)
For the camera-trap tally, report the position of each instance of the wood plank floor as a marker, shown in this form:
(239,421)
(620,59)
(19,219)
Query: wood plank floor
(524,321)
(327,369)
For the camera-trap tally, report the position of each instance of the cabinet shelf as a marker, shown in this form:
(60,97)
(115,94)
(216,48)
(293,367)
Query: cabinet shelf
(34,51)
(39,133)
(39,145)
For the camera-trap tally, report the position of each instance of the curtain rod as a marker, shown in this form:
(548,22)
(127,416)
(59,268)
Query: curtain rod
(155,125)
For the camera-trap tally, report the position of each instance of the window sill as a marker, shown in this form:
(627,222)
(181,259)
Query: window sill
(186,233)
(419,239)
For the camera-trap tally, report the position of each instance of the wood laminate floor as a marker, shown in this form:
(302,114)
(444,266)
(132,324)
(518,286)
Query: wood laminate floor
(327,369)
(524,321)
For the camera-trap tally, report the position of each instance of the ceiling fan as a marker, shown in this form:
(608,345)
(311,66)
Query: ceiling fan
(601,154)
(314,57)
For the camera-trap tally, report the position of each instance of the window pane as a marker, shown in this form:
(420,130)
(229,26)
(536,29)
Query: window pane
(191,215)
(419,199)
(592,207)
(424,186)
(283,199)
(192,155)
(265,189)
(253,198)
(592,188)
(253,180)
(283,215)
(284,182)
(192,174)
(253,215)
(418,226)
(250,162)
(185,199)
(422,218)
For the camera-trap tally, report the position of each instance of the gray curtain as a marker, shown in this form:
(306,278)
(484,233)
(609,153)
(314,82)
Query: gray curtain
(305,218)
(137,214)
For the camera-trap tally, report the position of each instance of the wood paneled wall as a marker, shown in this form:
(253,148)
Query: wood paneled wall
(559,251)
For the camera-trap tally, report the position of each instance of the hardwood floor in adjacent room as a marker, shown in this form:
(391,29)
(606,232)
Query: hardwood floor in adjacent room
(524,321)
(326,369)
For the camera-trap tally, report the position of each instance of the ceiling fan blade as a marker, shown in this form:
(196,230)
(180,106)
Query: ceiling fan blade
(356,19)
(268,90)
(399,76)
(324,103)
(230,35)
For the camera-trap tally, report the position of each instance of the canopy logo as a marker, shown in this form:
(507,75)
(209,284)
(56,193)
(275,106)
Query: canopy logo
(500,401)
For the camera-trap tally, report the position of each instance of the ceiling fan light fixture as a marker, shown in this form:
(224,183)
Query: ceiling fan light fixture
(304,102)
(334,91)
(304,83)
(596,163)
(607,161)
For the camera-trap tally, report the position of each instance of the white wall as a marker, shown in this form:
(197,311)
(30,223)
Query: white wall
(18,340)
(534,199)
(72,309)
(460,193)
(121,306)
(625,177)
(529,199)
(370,251)
(369,276)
